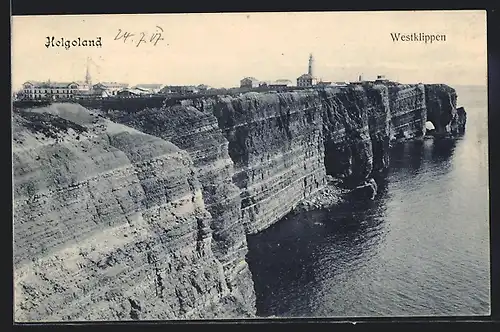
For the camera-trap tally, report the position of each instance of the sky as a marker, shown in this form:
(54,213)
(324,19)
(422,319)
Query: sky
(220,49)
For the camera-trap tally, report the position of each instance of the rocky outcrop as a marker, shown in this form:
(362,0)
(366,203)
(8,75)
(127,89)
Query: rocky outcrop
(360,124)
(109,223)
(441,102)
(459,122)
(330,195)
(144,214)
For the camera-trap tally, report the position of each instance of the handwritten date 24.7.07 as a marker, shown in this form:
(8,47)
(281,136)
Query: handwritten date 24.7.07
(140,38)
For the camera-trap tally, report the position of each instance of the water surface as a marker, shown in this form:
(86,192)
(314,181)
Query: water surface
(421,248)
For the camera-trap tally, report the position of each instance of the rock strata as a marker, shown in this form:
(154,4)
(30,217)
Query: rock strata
(111,225)
(140,209)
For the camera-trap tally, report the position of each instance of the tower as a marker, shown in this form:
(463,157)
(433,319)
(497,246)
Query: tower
(88,78)
(311,62)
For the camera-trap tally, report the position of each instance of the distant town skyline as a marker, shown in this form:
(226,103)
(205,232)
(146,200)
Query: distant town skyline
(221,49)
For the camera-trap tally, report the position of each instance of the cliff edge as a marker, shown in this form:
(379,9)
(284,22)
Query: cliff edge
(140,209)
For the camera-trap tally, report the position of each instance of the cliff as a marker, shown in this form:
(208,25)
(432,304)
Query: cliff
(140,209)
(109,223)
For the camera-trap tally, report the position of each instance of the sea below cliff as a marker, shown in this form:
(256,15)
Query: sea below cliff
(420,248)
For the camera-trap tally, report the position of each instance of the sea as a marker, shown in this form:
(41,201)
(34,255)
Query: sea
(421,248)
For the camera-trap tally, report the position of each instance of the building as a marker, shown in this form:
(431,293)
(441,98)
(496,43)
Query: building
(151,87)
(249,82)
(139,90)
(35,90)
(48,90)
(108,89)
(179,89)
(88,78)
(360,81)
(85,94)
(381,79)
(307,80)
(323,83)
(281,83)
(133,92)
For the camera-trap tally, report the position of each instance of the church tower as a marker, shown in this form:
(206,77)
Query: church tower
(311,63)
(88,78)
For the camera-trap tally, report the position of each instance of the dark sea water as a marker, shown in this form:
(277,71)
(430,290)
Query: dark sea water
(421,248)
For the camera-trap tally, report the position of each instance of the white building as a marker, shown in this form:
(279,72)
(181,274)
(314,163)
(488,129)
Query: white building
(53,90)
(381,78)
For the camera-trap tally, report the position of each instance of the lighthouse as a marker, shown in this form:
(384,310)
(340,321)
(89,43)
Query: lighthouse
(307,80)
(311,63)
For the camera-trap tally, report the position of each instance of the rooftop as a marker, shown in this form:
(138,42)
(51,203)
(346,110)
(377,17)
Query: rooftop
(250,78)
(135,91)
(282,81)
(50,84)
(305,76)
(149,85)
(112,84)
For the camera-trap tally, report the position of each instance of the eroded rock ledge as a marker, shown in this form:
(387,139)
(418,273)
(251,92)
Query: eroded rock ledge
(139,209)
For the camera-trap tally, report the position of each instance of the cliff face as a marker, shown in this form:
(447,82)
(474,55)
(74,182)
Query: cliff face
(110,223)
(276,144)
(357,132)
(144,215)
(198,134)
